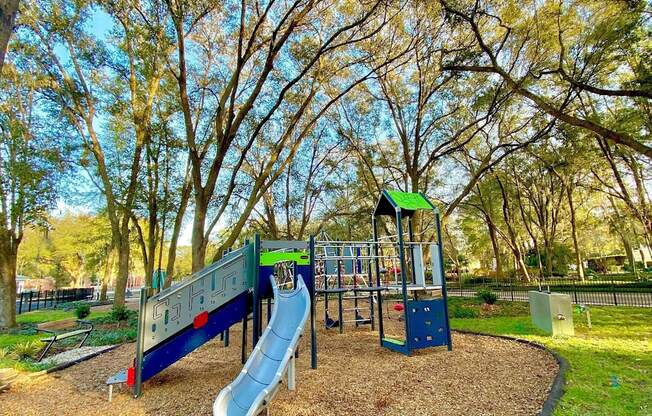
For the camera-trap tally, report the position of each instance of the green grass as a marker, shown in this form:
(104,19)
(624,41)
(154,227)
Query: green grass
(610,364)
(44,315)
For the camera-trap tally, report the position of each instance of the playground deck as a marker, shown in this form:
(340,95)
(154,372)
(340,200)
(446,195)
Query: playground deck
(355,376)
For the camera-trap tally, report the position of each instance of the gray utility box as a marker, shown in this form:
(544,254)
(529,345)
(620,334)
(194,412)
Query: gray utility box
(552,312)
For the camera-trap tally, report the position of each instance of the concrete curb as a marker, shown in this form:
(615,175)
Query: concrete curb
(557,388)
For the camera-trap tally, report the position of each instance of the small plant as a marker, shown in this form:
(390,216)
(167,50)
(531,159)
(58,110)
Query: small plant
(26,349)
(462,312)
(4,353)
(487,296)
(119,313)
(82,310)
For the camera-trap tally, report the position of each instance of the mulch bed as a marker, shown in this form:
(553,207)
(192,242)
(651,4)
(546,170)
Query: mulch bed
(355,376)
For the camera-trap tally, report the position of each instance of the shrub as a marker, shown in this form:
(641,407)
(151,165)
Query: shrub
(462,312)
(82,310)
(26,349)
(487,296)
(119,313)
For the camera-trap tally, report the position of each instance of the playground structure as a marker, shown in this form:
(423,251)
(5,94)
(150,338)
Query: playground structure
(363,270)
(179,319)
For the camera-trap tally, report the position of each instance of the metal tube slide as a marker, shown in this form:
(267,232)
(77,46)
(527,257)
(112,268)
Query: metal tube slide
(261,376)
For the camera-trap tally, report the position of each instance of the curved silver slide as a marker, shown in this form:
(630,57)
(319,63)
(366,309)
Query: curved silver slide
(261,376)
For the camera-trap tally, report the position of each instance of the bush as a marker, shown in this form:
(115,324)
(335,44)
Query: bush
(487,296)
(26,349)
(119,313)
(462,312)
(82,310)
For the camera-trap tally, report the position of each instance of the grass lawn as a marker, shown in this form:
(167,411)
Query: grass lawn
(107,332)
(610,364)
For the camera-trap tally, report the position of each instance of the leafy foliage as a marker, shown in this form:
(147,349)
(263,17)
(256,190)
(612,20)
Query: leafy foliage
(120,313)
(82,310)
(27,349)
(487,296)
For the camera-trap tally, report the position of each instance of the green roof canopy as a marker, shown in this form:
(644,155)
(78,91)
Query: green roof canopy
(408,202)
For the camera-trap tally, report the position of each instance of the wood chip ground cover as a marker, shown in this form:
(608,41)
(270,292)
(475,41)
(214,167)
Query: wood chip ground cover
(481,376)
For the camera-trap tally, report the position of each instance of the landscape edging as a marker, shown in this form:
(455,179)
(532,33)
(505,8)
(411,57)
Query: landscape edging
(557,388)
(79,360)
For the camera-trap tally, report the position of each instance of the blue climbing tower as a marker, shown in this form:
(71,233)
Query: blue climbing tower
(426,322)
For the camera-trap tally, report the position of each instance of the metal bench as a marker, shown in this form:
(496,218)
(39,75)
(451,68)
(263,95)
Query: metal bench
(85,331)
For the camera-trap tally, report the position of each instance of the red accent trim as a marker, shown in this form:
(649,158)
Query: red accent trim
(200,320)
(131,376)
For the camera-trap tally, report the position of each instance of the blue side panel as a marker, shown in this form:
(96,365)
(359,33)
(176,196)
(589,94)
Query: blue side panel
(173,349)
(427,323)
(264,287)
(306,273)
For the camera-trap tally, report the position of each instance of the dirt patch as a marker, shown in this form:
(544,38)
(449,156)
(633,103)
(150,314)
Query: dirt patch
(481,376)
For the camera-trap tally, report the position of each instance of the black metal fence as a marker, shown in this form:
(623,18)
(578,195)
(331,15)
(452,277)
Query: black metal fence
(33,300)
(599,291)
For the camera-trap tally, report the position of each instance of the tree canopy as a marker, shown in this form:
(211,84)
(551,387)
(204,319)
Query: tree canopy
(172,130)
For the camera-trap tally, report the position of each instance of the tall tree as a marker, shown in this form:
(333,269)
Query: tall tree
(84,76)
(31,162)
(309,37)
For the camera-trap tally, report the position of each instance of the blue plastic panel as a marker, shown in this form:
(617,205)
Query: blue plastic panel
(173,349)
(427,325)
(265,288)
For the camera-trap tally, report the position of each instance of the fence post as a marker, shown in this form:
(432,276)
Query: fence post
(613,291)
(511,286)
(20,304)
(574,291)
(31,295)
(38,299)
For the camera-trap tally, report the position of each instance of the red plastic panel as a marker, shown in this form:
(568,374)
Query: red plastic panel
(131,376)
(200,320)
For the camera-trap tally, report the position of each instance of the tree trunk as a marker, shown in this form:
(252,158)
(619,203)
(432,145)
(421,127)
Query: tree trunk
(630,254)
(576,246)
(123,271)
(8,10)
(8,251)
(496,248)
(108,271)
(521,264)
(198,241)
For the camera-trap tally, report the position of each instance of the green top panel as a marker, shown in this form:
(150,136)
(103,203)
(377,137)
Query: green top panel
(410,200)
(302,258)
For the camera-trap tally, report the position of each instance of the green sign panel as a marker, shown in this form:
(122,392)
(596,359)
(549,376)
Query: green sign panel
(302,258)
